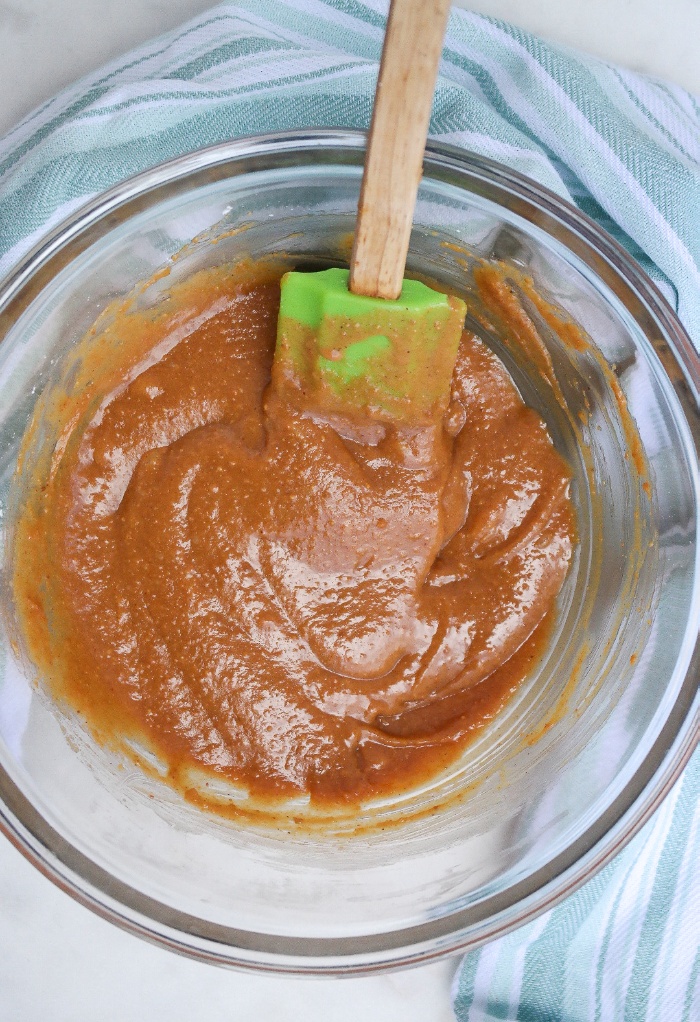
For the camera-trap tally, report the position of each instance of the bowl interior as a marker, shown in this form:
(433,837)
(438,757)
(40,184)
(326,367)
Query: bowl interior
(531,795)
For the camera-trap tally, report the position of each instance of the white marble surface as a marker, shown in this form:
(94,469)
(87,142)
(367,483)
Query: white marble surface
(61,963)
(58,962)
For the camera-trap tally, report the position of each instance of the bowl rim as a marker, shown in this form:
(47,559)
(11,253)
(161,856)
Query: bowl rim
(463,929)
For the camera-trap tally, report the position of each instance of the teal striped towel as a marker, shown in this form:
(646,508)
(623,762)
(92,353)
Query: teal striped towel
(623,148)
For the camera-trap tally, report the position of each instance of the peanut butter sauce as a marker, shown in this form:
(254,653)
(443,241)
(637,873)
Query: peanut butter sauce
(272,596)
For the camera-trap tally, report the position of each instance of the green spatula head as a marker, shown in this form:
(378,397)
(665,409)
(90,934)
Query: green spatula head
(347,354)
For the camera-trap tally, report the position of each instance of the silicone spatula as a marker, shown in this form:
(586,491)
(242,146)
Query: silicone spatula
(366,342)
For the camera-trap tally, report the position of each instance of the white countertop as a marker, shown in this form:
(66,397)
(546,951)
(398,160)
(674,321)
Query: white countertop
(59,962)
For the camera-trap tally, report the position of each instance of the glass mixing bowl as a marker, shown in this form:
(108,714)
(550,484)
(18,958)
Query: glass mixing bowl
(584,753)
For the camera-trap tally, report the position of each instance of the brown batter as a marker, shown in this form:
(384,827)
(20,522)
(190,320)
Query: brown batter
(248,590)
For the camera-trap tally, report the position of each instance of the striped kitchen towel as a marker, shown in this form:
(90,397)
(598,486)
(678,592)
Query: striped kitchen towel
(623,148)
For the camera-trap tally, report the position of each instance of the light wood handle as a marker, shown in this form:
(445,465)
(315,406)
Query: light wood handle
(394,163)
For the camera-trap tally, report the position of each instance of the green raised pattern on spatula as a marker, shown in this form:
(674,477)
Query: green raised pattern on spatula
(351,354)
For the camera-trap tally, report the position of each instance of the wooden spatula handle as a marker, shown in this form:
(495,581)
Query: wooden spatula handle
(394,161)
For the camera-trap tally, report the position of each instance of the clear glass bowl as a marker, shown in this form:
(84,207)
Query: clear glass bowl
(590,745)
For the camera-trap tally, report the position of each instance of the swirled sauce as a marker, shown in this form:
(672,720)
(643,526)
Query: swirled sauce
(283,601)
